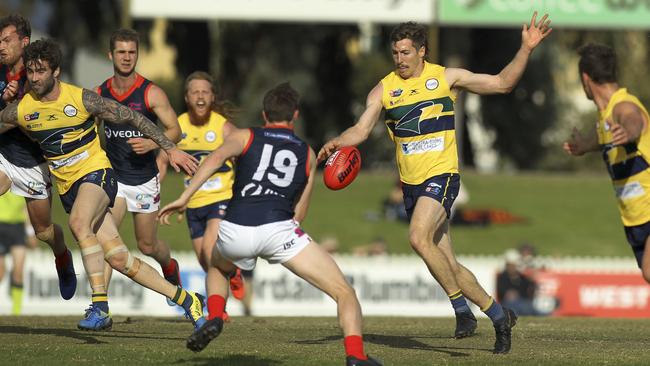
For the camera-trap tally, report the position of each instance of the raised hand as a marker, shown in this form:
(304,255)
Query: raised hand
(533,34)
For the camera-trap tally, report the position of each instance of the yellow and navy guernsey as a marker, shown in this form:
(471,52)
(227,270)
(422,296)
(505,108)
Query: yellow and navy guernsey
(66,133)
(628,165)
(199,141)
(420,120)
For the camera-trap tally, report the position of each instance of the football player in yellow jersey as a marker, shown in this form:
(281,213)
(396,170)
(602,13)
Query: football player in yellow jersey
(61,118)
(418,98)
(12,240)
(203,131)
(622,136)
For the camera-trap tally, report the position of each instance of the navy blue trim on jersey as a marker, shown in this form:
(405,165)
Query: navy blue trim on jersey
(628,168)
(104,178)
(432,125)
(269,177)
(15,146)
(131,168)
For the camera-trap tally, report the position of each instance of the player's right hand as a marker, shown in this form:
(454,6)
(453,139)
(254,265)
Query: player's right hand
(181,160)
(11,90)
(328,149)
(574,146)
(180,205)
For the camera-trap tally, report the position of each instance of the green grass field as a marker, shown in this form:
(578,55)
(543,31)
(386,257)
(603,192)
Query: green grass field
(317,342)
(567,215)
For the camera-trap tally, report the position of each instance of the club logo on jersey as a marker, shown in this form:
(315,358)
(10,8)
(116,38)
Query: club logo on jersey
(421,112)
(69,110)
(210,136)
(32,117)
(395,93)
(432,84)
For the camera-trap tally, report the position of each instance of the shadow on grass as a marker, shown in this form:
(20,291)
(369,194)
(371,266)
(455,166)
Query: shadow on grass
(231,360)
(402,342)
(86,337)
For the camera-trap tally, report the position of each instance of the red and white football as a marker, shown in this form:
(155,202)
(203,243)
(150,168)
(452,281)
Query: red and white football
(342,167)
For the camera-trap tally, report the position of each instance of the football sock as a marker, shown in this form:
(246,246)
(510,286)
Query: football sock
(183,298)
(62,260)
(354,347)
(169,269)
(216,306)
(100,299)
(459,303)
(495,312)
(16,298)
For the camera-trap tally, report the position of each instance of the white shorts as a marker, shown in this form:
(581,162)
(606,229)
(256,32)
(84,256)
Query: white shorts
(144,198)
(34,182)
(276,242)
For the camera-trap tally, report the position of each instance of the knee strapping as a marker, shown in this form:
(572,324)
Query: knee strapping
(89,246)
(47,234)
(116,246)
(132,266)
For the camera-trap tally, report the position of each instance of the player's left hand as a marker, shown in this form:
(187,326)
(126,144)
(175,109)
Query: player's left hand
(620,135)
(182,160)
(180,205)
(141,146)
(10,92)
(533,34)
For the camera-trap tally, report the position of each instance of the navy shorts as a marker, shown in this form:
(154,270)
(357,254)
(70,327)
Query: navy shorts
(11,235)
(197,218)
(636,236)
(104,178)
(442,188)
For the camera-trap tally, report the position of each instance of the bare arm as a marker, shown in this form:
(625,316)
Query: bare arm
(300,210)
(579,144)
(9,117)
(628,123)
(504,81)
(361,130)
(113,111)
(159,104)
(233,146)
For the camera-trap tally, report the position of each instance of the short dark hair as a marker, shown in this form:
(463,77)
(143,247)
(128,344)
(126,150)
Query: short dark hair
(23,29)
(417,33)
(281,102)
(43,50)
(599,62)
(124,35)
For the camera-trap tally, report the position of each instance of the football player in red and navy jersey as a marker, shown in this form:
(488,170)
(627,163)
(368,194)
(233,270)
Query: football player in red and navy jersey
(274,177)
(133,156)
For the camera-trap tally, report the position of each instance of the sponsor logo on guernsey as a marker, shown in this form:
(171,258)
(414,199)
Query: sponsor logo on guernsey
(283,136)
(69,110)
(432,84)
(32,117)
(395,93)
(135,106)
(71,160)
(210,136)
(423,146)
(124,134)
(51,117)
(629,190)
(413,92)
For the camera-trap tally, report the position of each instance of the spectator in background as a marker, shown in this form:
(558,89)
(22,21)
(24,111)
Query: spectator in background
(515,290)
(13,237)
(376,247)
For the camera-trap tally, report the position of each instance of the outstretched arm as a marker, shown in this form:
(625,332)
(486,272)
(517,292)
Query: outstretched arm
(531,36)
(113,111)
(233,146)
(361,130)
(579,143)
